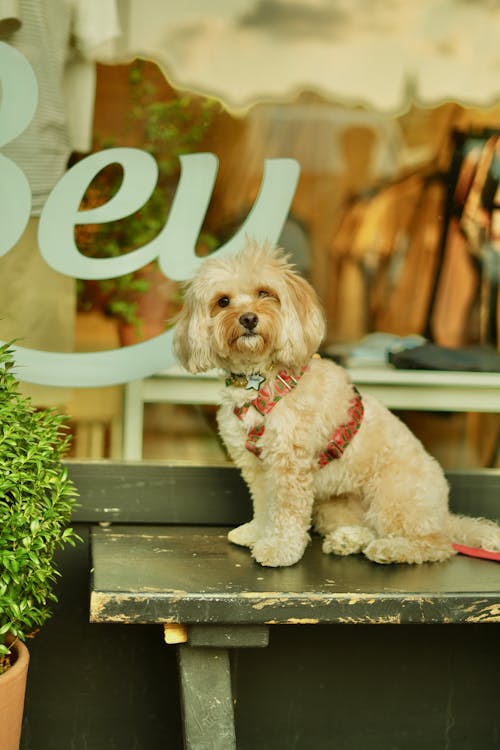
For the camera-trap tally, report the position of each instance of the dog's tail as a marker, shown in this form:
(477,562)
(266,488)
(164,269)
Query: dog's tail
(474,532)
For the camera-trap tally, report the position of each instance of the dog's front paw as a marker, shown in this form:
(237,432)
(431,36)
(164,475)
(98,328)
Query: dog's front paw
(245,535)
(276,552)
(347,540)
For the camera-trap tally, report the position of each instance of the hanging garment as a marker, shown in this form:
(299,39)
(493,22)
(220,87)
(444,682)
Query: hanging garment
(402,302)
(464,310)
(346,300)
(452,315)
(377,250)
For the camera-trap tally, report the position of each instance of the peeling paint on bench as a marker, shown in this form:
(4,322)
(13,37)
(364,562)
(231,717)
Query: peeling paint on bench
(193,575)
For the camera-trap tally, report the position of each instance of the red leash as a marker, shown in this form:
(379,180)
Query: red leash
(485,554)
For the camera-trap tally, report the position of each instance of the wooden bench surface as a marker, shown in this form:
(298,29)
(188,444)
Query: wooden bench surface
(193,575)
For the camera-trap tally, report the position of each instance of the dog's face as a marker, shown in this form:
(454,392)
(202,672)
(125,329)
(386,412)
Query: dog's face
(247,311)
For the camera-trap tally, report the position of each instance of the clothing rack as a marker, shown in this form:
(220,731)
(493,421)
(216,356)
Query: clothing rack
(402,291)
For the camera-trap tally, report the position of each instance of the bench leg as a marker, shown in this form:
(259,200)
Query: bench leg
(205,679)
(206,698)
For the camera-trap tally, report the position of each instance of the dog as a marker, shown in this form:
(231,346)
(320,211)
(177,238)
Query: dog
(314,453)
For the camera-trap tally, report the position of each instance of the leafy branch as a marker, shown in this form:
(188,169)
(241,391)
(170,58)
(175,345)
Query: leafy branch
(36,500)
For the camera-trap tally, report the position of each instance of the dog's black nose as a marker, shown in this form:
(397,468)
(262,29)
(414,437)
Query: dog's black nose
(248,320)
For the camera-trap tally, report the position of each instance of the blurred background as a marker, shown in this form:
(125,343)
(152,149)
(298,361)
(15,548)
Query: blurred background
(392,110)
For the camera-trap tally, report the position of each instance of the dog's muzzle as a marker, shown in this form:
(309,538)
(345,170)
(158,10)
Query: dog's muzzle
(248,320)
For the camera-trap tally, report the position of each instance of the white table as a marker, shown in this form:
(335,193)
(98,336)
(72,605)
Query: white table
(420,390)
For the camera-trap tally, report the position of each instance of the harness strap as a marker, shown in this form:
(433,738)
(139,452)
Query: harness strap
(267,399)
(344,433)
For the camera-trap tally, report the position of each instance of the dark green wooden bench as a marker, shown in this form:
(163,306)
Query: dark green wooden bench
(182,573)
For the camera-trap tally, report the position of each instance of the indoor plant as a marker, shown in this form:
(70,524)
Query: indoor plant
(166,124)
(36,499)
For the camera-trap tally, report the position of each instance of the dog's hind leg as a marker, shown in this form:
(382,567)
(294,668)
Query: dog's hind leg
(340,520)
(408,514)
(401,549)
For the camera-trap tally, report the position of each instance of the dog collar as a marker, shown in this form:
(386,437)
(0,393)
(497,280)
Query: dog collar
(282,382)
(248,382)
(269,396)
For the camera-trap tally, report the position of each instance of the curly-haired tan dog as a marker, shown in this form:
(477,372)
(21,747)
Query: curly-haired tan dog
(311,449)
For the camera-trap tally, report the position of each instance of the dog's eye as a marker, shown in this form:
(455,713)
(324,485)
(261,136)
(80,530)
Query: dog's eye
(263,293)
(223,301)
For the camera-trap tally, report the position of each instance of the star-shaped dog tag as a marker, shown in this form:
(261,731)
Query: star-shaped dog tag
(254,382)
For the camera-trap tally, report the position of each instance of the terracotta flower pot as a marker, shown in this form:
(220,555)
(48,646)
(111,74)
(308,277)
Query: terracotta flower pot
(12,689)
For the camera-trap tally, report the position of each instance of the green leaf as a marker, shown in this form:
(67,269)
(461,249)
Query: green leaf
(36,501)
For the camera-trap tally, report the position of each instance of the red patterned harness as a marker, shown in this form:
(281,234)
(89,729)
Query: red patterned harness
(267,399)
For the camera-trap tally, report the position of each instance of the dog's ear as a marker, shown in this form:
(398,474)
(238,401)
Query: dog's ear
(303,314)
(191,340)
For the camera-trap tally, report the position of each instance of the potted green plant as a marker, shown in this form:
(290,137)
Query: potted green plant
(36,500)
(165,125)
